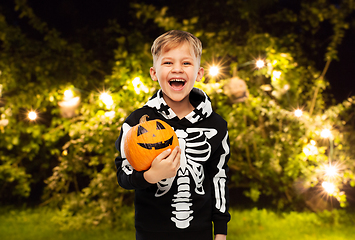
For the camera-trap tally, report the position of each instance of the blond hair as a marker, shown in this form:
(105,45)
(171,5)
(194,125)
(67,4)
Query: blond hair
(174,38)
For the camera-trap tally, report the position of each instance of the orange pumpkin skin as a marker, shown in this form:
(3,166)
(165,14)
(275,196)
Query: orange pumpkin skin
(145,141)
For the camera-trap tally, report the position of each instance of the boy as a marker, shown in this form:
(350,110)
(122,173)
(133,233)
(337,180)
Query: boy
(185,190)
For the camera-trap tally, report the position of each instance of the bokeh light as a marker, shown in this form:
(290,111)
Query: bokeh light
(32,115)
(106,99)
(298,113)
(276,74)
(214,71)
(260,63)
(331,171)
(329,187)
(139,86)
(326,133)
(68,94)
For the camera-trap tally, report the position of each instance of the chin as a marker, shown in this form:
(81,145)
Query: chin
(177,98)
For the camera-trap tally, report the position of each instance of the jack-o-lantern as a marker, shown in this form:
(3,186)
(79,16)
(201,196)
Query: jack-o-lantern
(145,141)
(237,90)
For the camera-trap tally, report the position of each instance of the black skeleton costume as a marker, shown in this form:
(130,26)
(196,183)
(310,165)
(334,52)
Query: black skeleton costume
(198,195)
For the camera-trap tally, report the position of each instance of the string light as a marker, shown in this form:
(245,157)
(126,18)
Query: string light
(106,99)
(214,70)
(329,187)
(331,171)
(298,113)
(68,94)
(260,63)
(326,133)
(32,115)
(69,104)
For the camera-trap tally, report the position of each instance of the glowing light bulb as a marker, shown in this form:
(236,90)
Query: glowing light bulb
(328,187)
(32,115)
(68,94)
(260,63)
(65,152)
(298,113)
(214,70)
(106,99)
(331,170)
(69,104)
(326,133)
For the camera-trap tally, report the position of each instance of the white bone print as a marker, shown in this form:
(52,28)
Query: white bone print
(181,202)
(194,143)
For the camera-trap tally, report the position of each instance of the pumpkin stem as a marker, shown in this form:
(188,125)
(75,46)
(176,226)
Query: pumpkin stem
(143,119)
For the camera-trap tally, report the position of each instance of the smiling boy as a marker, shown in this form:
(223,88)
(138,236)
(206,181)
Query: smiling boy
(176,68)
(184,194)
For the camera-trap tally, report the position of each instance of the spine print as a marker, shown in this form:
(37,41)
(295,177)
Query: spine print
(181,201)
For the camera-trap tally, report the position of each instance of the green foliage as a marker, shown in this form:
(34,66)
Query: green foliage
(272,150)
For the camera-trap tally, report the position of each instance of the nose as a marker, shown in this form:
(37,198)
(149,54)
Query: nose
(177,68)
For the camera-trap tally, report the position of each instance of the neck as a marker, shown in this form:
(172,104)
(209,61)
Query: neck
(182,108)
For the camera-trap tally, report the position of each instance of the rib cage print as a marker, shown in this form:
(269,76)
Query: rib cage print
(195,150)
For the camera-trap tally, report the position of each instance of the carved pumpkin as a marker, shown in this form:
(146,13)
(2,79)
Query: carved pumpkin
(237,90)
(145,141)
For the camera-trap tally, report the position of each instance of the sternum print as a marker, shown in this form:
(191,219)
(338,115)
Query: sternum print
(195,150)
(181,201)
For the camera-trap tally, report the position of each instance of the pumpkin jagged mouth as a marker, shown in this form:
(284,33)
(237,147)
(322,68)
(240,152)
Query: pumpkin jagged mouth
(158,145)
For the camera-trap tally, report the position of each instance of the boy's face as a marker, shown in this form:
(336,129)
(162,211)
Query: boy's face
(176,71)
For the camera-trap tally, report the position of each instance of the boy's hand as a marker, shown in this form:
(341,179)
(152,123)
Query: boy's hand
(220,237)
(165,165)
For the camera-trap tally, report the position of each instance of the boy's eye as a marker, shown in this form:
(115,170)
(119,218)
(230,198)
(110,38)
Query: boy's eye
(187,63)
(168,63)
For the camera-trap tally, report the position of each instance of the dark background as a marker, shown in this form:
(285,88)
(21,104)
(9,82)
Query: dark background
(68,16)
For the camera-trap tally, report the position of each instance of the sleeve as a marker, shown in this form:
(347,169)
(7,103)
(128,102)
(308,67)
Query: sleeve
(218,170)
(127,177)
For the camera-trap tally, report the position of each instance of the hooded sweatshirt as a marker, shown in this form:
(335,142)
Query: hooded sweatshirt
(198,195)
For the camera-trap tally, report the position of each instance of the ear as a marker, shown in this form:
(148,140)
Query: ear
(200,74)
(153,74)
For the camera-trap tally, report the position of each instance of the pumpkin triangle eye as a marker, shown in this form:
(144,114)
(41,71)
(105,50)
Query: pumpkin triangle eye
(160,126)
(141,130)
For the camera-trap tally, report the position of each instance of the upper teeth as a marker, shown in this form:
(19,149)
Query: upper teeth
(178,80)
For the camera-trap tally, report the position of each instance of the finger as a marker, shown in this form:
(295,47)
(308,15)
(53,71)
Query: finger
(176,151)
(172,155)
(177,159)
(164,154)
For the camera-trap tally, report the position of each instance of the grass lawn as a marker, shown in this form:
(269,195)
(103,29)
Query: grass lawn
(266,225)
(247,224)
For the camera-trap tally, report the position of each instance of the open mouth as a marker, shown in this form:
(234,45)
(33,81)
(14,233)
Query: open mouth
(177,84)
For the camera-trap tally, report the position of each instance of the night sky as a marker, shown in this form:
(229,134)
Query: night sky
(69,15)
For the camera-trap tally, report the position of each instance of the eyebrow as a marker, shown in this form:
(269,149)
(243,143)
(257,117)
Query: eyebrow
(171,58)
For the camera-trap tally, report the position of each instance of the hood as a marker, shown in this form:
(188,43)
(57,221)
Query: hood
(198,98)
